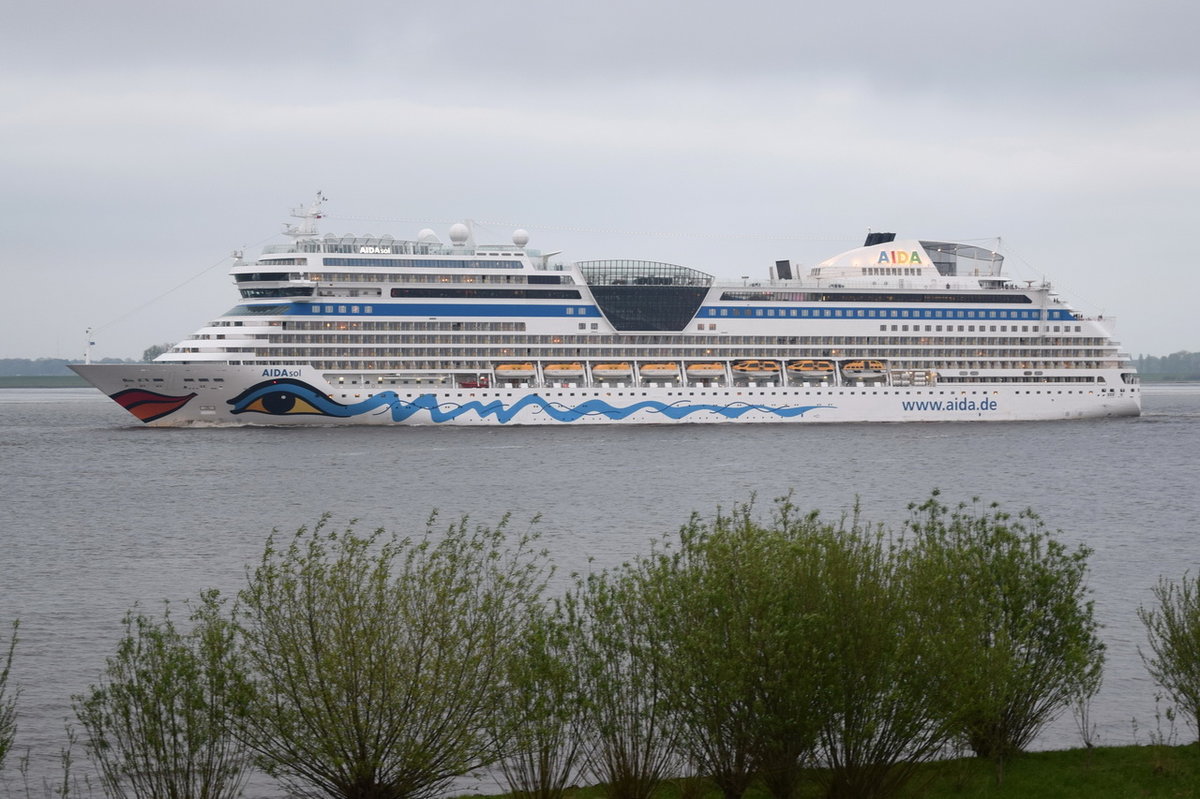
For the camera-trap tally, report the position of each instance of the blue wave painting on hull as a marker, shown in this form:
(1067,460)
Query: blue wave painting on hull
(289,397)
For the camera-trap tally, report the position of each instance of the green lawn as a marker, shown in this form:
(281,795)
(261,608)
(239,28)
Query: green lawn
(1129,771)
(1102,773)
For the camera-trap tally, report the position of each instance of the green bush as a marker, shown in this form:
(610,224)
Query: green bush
(8,699)
(879,716)
(1009,605)
(734,604)
(160,722)
(379,661)
(624,694)
(1173,628)
(542,717)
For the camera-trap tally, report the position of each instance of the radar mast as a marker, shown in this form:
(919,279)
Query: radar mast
(307,229)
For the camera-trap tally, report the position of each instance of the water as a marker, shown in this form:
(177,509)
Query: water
(98,512)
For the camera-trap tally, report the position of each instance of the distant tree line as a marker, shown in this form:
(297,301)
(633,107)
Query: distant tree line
(57,367)
(34,367)
(1179,366)
(44,367)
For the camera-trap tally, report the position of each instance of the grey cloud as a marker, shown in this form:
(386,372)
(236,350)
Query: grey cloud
(932,45)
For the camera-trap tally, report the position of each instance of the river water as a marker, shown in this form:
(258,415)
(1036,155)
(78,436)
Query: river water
(98,512)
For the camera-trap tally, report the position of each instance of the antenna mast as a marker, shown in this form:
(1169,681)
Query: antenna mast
(307,229)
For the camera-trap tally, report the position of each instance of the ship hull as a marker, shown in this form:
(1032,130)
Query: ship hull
(218,394)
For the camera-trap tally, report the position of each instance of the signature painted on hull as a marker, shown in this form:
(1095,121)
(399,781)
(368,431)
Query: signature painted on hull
(287,397)
(150,405)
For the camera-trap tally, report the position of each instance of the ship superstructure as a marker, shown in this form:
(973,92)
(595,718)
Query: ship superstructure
(350,329)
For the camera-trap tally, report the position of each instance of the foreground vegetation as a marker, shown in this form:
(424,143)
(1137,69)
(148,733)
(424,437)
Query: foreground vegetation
(1153,772)
(787,657)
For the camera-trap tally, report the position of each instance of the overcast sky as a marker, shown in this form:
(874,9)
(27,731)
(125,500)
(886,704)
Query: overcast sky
(141,142)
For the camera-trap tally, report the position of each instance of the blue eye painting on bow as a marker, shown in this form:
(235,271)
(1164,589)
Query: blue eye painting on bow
(286,397)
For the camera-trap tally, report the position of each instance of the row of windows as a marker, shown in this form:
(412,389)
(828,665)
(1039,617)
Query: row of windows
(1007,360)
(498,326)
(798,313)
(261,277)
(306,324)
(282,291)
(417,342)
(887,313)
(507,294)
(944,298)
(891,270)
(354,327)
(424,263)
(564,294)
(328,349)
(385,277)
(350,362)
(647,340)
(992,328)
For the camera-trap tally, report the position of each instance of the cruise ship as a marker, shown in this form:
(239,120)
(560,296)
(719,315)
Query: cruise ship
(377,330)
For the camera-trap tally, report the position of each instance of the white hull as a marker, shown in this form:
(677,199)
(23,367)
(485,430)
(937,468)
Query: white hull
(196,394)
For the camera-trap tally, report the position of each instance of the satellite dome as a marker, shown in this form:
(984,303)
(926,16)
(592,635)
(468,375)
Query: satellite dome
(426,235)
(520,237)
(459,233)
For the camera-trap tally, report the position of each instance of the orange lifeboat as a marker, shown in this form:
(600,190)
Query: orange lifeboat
(611,371)
(755,368)
(659,370)
(514,371)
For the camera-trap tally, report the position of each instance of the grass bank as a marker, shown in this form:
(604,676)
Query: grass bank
(1100,773)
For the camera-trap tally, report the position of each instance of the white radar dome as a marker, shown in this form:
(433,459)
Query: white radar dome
(459,233)
(520,237)
(426,235)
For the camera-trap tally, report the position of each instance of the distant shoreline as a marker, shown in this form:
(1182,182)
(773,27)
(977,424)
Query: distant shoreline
(43,381)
